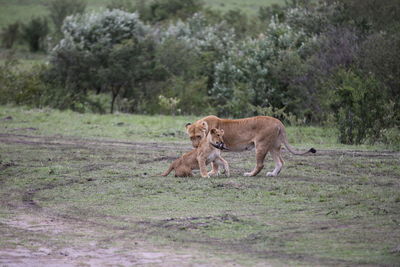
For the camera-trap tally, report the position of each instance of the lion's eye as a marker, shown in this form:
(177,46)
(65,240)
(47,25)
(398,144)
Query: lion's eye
(198,137)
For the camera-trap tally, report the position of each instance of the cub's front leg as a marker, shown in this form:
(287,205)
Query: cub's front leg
(214,169)
(222,163)
(203,167)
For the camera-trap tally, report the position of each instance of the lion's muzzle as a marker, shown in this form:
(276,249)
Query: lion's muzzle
(220,146)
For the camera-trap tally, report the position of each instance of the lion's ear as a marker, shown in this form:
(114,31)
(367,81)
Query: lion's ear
(213,131)
(205,126)
(187,127)
(222,131)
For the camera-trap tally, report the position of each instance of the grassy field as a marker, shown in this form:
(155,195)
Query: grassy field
(22,10)
(85,189)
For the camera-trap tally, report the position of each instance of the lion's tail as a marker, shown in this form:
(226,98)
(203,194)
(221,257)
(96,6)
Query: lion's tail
(282,133)
(171,167)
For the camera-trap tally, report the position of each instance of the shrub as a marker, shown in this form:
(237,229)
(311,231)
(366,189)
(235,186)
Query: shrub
(105,52)
(94,32)
(250,70)
(266,13)
(192,95)
(124,5)
(379,54)
(362,107)
(161,10)
(198,34)
(372,15)
(31,88)
(20,87)
(239,22)
(35,32)
(60,9)
(10,34)
(169,104)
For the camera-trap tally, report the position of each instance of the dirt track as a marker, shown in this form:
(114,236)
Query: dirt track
(38,221)
(29,219)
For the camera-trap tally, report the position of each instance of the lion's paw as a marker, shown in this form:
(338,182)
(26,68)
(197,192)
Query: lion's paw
(211,173)
(271,174)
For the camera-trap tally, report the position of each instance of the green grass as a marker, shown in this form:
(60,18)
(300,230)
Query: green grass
(117,126)
(96,178)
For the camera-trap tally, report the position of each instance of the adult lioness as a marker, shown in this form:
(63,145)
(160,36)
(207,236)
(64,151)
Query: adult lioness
(208,150)
(265,134)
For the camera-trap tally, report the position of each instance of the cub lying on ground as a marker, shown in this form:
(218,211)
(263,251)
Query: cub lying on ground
(207,151)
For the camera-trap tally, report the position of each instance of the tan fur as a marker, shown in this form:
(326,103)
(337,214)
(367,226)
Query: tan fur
(199,157)
(265,134)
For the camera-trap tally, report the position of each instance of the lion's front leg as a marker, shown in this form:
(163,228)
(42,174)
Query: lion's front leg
(203,167)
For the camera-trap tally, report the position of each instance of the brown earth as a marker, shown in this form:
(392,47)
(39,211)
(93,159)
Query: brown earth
(29,219)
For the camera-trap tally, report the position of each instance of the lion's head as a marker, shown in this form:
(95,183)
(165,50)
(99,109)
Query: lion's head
(197,132)
(215,138)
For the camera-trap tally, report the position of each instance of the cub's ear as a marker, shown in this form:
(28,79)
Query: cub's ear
(213,131)
(186,127)
(222,131)
(204,126)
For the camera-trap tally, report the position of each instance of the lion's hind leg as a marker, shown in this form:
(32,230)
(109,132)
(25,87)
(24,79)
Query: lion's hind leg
(276,156)
(171,167)
(183,172)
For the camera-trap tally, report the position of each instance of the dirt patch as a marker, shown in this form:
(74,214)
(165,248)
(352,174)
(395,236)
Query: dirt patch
(94,166)
(58,140)
(91,254)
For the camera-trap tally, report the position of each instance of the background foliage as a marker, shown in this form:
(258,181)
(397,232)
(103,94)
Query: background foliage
(301,61)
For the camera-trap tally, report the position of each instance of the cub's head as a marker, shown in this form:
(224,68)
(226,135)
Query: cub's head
(215,138)
(197,131)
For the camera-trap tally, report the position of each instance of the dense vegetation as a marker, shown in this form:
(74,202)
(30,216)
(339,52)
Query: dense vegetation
(326,62)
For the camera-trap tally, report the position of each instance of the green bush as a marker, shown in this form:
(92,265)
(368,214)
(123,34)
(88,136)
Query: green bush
(124,5)
(106,52)
(35,32)
(30,87)
(20,87)
(60,9)
(391,138)
(156,11)
(362,107)
(10,34)
(259,71)
(380,55)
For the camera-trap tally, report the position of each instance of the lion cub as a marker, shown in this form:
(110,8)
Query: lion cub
(208,151)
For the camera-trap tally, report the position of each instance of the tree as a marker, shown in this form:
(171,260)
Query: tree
(60,9)
(103,51)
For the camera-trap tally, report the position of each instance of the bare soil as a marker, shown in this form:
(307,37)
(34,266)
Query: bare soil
(45,226)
